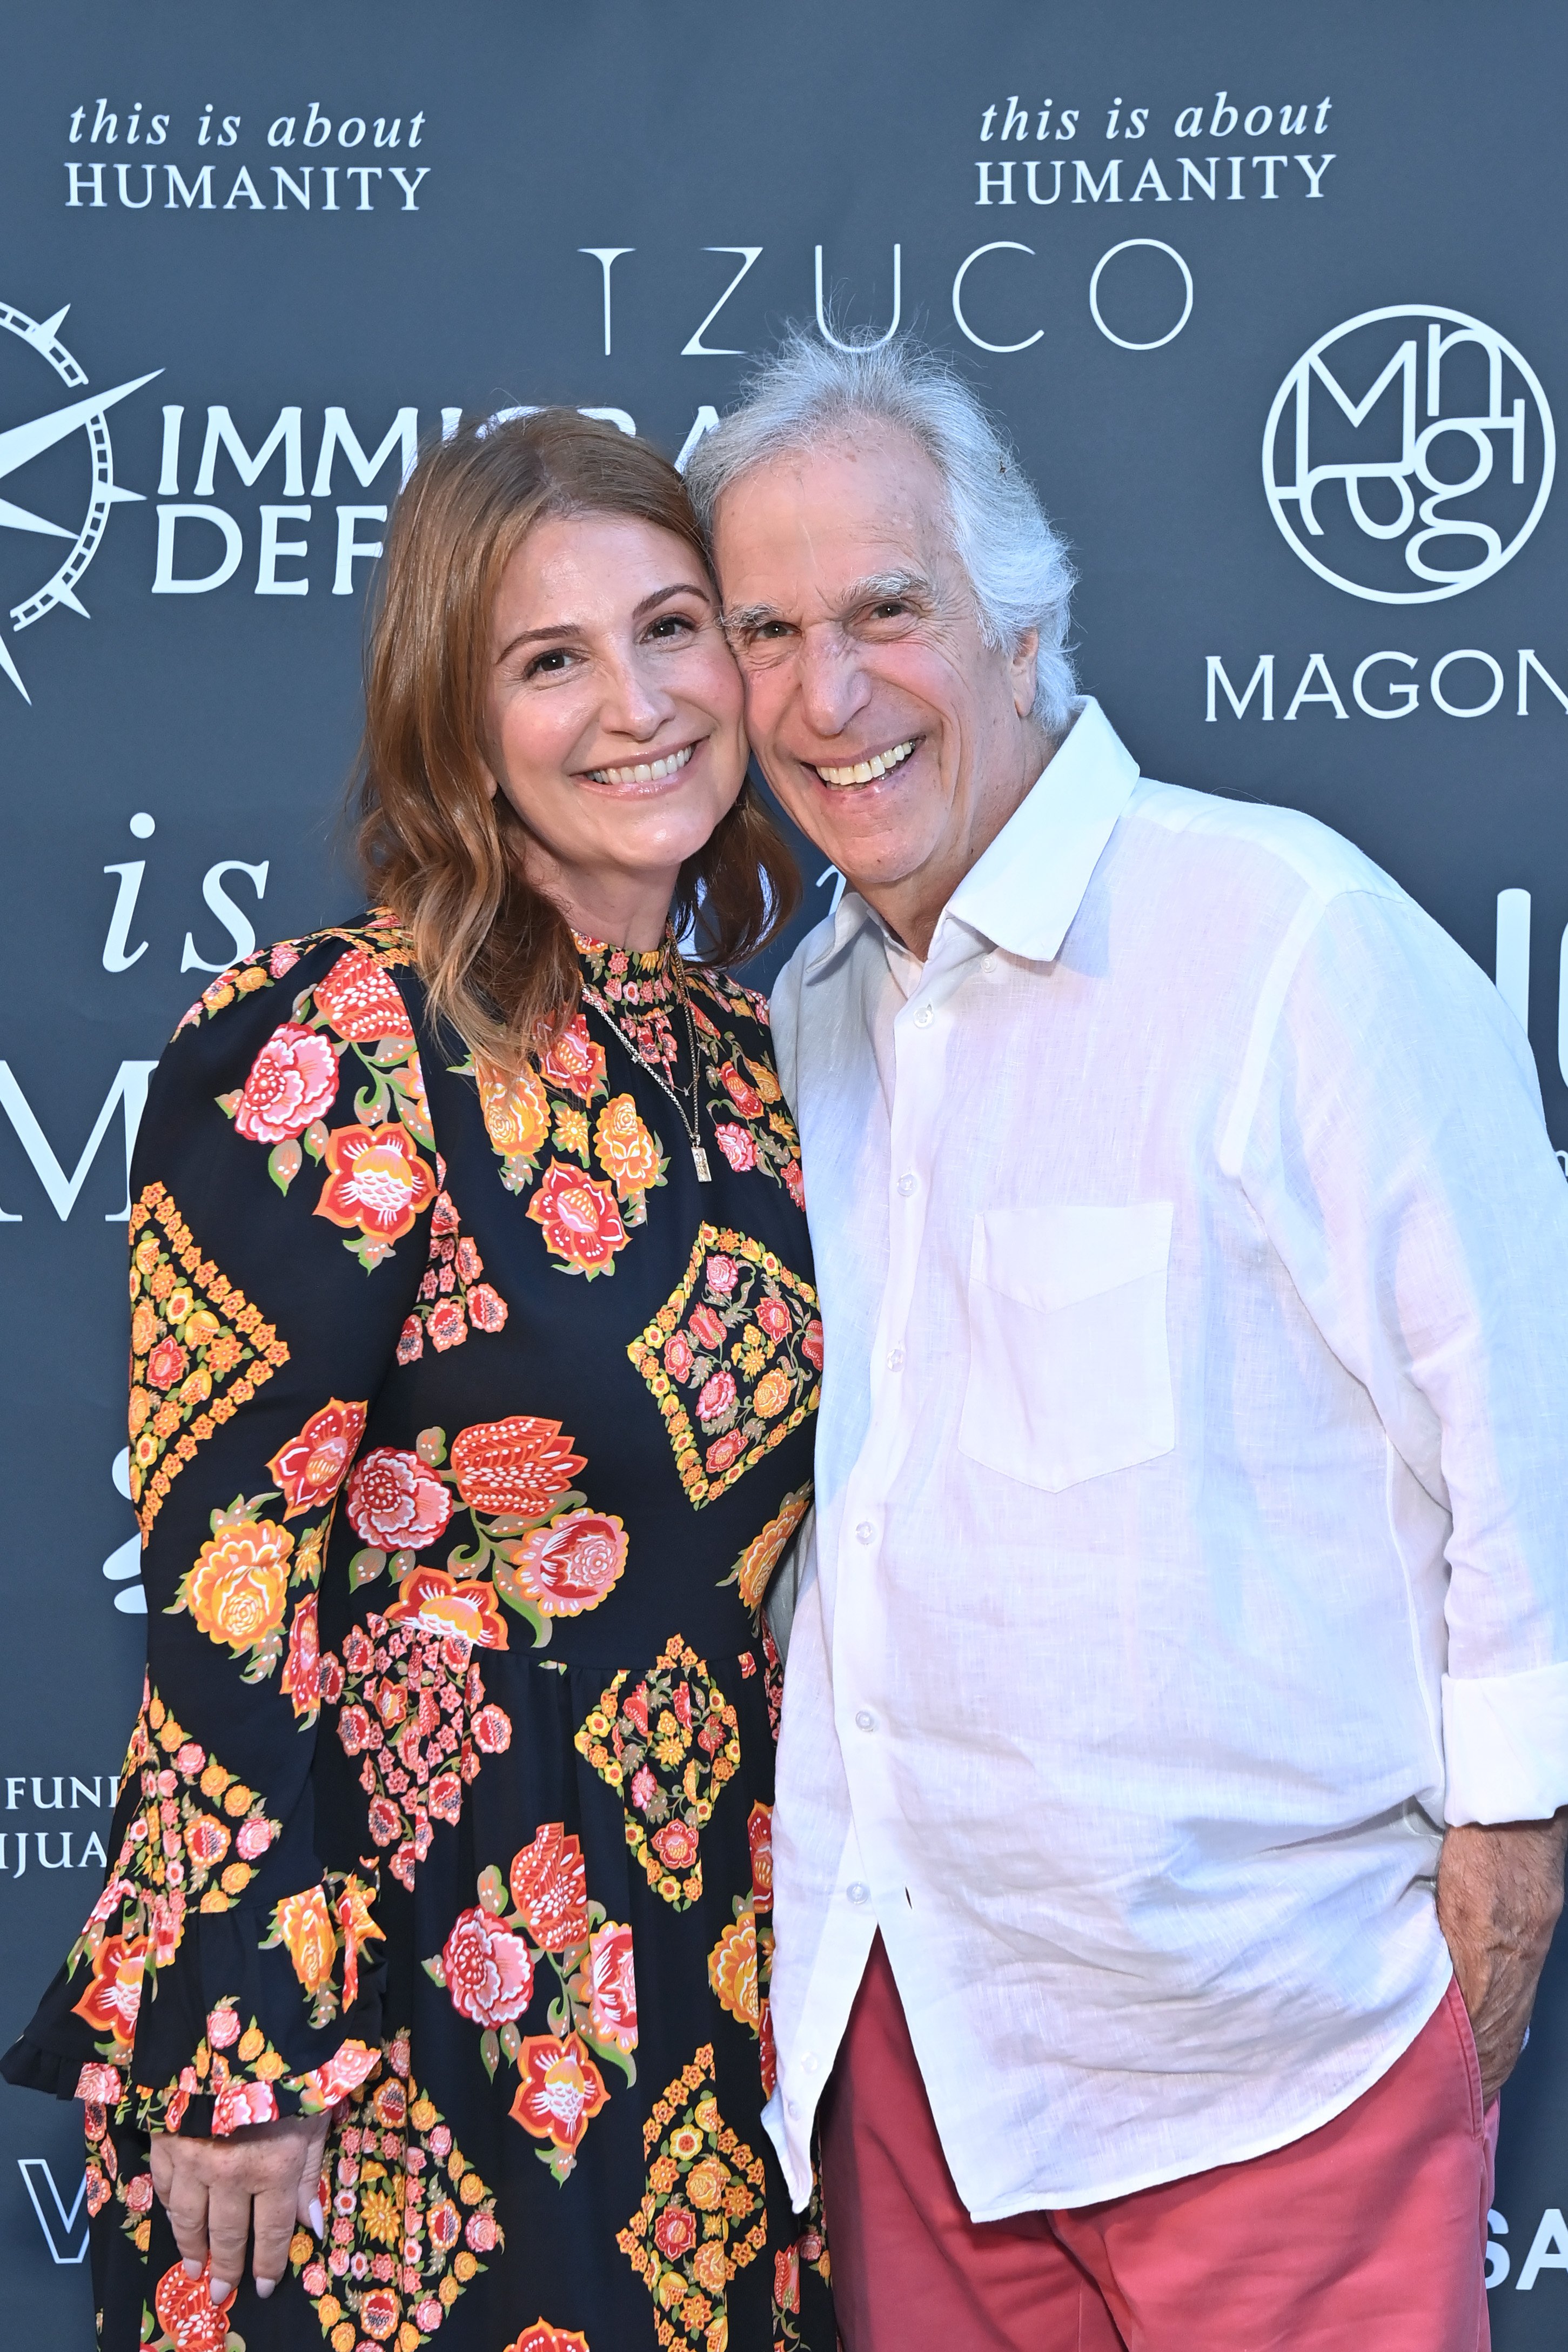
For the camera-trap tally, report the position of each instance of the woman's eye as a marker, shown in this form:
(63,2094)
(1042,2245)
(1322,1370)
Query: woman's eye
(671,625)
(548,665)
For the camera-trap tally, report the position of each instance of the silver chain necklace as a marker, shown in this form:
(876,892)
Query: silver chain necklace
(692,1123)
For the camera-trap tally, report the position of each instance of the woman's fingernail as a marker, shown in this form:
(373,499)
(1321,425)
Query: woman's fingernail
(219,2290)
(193,2270)
(318,2219)
(264,2287)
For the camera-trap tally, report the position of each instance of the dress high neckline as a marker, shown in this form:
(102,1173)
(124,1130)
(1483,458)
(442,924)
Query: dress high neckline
(631,976)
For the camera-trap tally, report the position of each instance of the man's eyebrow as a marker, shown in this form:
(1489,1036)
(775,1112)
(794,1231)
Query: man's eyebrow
(555,630)
(875,588)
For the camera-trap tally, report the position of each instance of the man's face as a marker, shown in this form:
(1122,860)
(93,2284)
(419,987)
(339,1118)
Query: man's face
(892,733)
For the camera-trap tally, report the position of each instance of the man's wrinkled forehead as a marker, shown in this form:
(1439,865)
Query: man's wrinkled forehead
(811,526)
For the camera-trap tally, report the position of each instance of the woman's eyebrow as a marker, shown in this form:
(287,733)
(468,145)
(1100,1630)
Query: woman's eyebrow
(557,629)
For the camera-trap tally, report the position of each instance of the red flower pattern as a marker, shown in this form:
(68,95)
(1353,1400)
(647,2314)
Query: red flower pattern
(395,1502)
(579,1219)
(612,1985)
(489,1972)
(361,1000)
(571,1565)
(519,1466)
(576,1062)
(309,1469)
(562,2089)
(549,1883)
(293,1080)
(376,1179)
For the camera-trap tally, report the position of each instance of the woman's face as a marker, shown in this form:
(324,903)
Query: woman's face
(614,715)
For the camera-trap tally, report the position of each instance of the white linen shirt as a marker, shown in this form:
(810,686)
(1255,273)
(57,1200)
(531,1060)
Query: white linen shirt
(1192,1529)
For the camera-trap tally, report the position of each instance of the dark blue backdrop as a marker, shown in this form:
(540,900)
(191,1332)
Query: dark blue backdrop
(246,254)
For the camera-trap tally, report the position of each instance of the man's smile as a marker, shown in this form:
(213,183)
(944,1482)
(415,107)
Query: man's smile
(869,770)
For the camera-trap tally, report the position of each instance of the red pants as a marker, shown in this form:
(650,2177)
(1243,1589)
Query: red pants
(1366,2236)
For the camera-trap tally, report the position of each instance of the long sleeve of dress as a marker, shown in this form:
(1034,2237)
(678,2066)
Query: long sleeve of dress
(281,1191)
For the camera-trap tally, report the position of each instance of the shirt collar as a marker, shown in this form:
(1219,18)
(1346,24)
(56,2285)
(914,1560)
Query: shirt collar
(1023,892)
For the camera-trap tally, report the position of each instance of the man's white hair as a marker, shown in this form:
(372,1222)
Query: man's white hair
(809,391)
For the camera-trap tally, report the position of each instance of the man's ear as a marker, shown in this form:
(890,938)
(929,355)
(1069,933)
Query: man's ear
(1021,664)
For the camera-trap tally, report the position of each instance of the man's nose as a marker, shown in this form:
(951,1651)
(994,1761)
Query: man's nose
(832,684)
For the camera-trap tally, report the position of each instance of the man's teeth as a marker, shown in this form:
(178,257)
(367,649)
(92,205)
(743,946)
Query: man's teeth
(866,771)
(647,771)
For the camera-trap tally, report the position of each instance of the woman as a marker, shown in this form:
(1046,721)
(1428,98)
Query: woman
(471,1409)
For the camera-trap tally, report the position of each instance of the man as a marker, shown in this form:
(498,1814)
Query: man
(1168,1838)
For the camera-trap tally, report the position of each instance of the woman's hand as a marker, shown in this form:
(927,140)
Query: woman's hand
(264,2177)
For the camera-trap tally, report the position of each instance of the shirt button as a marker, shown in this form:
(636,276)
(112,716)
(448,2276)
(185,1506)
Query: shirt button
(923,1017)
(895,1360)
(865,1720)
(809,2062)
(864,1531)
(857,1891)
(792,2108)
(907,1185)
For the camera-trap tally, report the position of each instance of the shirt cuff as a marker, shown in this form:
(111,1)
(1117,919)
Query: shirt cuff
(1505,1740)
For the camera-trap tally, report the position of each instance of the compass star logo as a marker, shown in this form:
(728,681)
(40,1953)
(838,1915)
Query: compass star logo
(20,444)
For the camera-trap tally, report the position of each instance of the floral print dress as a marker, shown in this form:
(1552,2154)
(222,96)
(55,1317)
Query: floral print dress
(467,1426)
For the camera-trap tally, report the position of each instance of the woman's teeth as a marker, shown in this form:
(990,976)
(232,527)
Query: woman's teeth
(866,771)
(647,771)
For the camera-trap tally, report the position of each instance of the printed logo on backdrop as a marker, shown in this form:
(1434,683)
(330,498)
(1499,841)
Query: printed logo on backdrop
(1409,454)
(65,486)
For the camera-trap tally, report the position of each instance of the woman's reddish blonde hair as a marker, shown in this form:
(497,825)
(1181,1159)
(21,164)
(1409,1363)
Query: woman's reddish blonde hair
(438,848)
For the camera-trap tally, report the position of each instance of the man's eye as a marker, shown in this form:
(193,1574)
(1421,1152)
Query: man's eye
(891,608)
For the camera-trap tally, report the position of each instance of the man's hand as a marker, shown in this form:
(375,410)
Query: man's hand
(212,2187)
(1500,1891)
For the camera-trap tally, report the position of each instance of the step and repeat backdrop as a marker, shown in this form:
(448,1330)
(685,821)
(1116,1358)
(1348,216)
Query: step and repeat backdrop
(1272,300)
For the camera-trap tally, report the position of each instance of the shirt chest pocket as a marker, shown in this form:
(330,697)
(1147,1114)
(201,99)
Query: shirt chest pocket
(1070,1368)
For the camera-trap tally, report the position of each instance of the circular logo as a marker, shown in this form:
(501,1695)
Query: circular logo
(1409,455)
(53,426)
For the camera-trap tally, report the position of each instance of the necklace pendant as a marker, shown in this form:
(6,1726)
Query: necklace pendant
(700,1161)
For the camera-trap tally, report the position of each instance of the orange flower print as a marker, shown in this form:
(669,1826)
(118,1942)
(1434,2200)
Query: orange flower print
(612,1985)
(324,2085)
(293,1080)
(576,1062)
(303,1925)
(629,1151)
(572,1564)
(579,1220)
(362,1002)
(309,1468)
(375,1180)
(301,1677)
(236,1590)
(754,1569)
(772,1394)
(112,2000)
(549,1887)
(438,1603)
(187,2314)
(732,1970)
(357,1928)
(742,1093)
(520,1465)
(515,1106)
(543,2338)
(561,2092)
